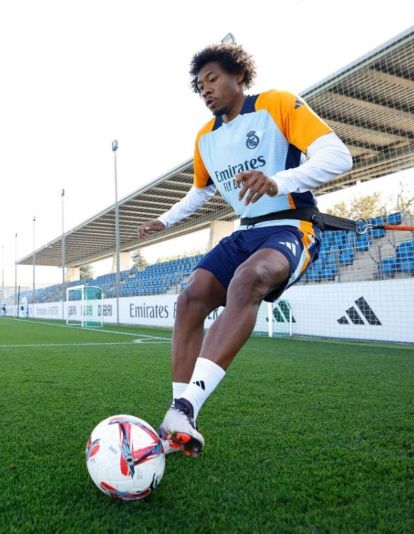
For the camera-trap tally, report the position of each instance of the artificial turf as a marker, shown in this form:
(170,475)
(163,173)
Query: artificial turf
(301,436)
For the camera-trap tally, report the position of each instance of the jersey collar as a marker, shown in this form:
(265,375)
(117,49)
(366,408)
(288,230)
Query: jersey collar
(248,107)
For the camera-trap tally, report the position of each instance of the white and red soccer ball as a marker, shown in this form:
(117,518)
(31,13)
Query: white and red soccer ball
(125,457)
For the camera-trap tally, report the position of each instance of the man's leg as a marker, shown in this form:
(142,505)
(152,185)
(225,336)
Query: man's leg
(203,294)
(263,272)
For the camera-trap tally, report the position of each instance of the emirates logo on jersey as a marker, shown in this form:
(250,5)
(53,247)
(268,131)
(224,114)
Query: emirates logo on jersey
(252,140)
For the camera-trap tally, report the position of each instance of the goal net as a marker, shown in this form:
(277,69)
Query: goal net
(84,306)
(275,319)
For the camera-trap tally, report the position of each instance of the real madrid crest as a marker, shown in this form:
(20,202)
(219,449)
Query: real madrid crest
(252,140)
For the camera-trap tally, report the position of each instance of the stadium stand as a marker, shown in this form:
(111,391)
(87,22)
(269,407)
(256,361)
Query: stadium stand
(156,279)
(368,103)
(371,256)
(344,256)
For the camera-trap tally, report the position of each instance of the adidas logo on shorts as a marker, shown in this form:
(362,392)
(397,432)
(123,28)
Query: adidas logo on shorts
(290,246)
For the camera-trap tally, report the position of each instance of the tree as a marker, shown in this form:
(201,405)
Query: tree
(374,205)
(365,207)
(405,202)
(183,254)
(86,271)
(340,210)
(138,260)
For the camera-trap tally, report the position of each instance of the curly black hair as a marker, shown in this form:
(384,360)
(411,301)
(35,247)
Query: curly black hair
(231,57)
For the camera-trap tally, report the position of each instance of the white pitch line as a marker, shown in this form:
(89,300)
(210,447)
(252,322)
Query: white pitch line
(163,338)
(64,344)
(83,328)
(153,342)
(91,344)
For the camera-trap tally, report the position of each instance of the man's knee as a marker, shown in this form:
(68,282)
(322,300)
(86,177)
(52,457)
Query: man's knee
(194,303)
(189,299)
(248,284)
(251,282)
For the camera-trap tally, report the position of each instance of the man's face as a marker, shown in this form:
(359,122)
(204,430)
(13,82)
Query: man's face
(219,89)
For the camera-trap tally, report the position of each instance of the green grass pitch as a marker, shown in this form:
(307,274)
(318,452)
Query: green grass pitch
(301,435)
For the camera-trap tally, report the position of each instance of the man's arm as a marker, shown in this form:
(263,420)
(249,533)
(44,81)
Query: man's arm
(328,157)
(194,199)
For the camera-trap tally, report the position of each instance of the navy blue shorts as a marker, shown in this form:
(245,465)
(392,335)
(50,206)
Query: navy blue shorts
(301,248)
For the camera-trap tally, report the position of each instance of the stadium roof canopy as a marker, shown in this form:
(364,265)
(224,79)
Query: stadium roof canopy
(369,103)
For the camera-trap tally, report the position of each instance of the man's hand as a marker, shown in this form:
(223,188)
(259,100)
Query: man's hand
(150,227)
(257,184)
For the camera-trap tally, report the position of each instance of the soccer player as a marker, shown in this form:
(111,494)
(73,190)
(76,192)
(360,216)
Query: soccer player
(264,154)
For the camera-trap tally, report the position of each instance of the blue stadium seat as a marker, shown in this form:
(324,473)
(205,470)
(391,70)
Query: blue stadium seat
(329,273)
(406,265)
(376,234)
(405,257)
(394,218)
(362,242)
(388,267)
(346,257)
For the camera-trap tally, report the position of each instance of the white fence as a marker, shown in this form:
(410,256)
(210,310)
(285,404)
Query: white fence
(375,310)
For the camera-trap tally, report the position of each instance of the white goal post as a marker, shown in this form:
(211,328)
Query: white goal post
(275,319)
(84,306)
(280,318)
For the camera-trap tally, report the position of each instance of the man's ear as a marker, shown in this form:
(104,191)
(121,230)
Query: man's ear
(240,77)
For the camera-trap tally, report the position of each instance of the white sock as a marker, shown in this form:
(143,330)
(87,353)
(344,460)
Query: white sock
(204,380)
(178,389)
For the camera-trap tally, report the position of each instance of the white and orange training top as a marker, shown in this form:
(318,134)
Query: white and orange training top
(271,134)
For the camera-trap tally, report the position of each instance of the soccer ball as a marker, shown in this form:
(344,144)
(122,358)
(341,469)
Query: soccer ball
(125,457)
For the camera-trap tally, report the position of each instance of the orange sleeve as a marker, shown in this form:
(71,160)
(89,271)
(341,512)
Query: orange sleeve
(300,125)
(201,176)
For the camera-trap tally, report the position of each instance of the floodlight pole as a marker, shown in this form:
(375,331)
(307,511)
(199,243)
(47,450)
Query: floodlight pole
(2,272)
(63,254)
(34,268)
(15,269)
(117,240)
(228,39)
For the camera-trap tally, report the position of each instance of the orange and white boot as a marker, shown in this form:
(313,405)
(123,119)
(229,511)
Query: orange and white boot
(179,429)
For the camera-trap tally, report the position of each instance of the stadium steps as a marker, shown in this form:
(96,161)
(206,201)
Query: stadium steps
(364,267)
